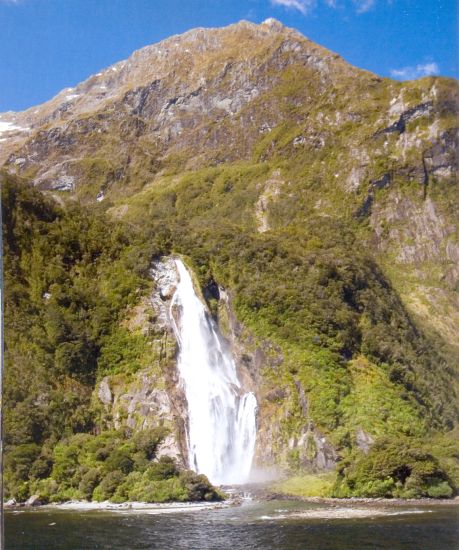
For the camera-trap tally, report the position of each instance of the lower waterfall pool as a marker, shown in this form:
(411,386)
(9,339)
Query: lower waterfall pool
(260,525)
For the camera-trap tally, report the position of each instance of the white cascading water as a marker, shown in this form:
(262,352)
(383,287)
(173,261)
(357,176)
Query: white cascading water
(221,419)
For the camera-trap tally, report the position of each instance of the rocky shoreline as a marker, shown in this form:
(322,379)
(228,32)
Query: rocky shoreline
(233,500)
(350,502)
(82,505)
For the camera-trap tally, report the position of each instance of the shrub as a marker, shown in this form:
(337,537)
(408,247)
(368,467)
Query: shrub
(441,489)
(198,486)
(65,494)
(108,485)
(165,468)
(65,462)
(165,490)
(20,460)
(120,459)
(42,467)
(89,482)
(393,467)
(21,492)
(148,441)
(46,488)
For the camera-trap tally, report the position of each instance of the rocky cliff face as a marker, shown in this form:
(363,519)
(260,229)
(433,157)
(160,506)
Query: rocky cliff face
(275,446)
(202,98)
(168,95)
(154,396)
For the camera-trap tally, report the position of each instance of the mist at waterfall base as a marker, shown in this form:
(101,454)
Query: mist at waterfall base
(221,417)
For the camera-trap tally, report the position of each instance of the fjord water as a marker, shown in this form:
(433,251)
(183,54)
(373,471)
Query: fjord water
(270,525)
(221,417)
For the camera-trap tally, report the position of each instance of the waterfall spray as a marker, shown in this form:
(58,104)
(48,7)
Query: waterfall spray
(221,417)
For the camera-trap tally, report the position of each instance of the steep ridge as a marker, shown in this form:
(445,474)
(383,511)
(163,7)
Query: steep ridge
(169,97)
(316,204)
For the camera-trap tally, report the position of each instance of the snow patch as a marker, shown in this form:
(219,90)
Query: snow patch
(270,21)
(7,127)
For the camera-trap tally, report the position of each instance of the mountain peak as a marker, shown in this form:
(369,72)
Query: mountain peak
(176,85)
(273,24)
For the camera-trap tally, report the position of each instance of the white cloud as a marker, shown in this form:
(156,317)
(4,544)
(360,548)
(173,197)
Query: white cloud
(410,73)
(304,6)
(363,6)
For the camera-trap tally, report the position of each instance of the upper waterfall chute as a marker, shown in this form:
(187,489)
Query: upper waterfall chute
(221,417)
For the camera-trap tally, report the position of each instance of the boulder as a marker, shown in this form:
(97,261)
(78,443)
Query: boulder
(34,500)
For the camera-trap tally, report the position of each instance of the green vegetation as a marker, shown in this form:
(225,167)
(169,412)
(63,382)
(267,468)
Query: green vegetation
(393,468)
(110,466)
(69,276)
(345,339)
(307,485)
(124,352)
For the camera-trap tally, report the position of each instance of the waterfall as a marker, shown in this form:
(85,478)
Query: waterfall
(221,418)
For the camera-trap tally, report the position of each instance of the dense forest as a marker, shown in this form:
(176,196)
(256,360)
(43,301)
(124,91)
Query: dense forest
(69,275)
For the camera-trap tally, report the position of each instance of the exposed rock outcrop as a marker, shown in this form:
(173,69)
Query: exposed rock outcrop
(152,397)
(34,500)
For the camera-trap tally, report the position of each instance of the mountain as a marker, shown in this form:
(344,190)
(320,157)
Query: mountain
(316,206)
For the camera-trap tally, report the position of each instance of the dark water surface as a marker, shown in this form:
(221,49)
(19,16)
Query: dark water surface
(274,525)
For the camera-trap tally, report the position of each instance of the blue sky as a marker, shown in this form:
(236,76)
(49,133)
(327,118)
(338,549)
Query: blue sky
(47,45)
